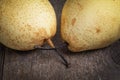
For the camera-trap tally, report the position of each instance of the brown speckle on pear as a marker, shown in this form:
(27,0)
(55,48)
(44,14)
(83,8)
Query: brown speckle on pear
(73,21)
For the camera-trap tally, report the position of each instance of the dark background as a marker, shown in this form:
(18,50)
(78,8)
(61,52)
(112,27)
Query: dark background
(46,65)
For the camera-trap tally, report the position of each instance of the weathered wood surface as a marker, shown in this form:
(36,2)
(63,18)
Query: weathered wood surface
(46,65)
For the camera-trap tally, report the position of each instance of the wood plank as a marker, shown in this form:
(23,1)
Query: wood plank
(46,65)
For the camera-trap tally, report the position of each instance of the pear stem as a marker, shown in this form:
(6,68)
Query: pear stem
(49,41)
(58,52)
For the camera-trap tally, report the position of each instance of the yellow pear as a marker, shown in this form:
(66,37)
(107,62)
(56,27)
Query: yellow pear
(90,24)
(26,23)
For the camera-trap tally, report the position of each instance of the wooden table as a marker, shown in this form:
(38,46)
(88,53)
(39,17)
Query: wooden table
(46,65)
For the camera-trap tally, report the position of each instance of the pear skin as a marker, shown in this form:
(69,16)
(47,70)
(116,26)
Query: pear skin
(90,24)
(26,23)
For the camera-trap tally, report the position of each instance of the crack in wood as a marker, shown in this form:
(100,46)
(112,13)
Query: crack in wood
(2,57)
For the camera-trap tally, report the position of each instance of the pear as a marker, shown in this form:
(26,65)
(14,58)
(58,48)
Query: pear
(90,24)
(26,23)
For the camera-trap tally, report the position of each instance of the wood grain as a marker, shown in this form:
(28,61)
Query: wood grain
(46,65)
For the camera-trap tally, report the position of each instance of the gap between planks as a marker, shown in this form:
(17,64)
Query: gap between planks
(2,57)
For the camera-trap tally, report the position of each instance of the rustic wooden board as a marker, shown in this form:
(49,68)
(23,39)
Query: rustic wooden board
(46,65)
